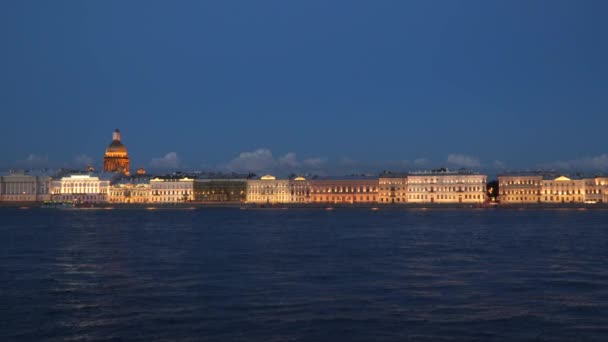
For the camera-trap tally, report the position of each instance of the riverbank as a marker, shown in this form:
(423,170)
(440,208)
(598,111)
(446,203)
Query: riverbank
(375,206)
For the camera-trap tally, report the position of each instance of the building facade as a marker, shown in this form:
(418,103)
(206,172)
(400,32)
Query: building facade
(563,190)
(20,187)
(299,190)
(520,188)
(268,190)
(344,191)
(80,189)
(131,189)
(220,190)
(446,187)
(172,189)
(116,158)
(392,190)
(130,193)
(551,188)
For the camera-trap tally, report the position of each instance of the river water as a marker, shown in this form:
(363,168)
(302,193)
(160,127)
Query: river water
(303,275)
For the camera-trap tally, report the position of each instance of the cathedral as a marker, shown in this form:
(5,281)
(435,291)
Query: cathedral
(116,158)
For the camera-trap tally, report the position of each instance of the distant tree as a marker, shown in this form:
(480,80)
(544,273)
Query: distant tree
(251,175)
(492,190)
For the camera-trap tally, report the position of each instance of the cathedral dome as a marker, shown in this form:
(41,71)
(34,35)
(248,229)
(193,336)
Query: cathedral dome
(116,158)
(116,147)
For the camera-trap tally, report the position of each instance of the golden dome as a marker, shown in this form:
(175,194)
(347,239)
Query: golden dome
(116,147)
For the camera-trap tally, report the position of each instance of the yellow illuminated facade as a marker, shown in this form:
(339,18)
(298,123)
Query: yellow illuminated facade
(563,190)
(551,189)
(299,190)
(446,187)
(268,189)
(130,193)
(172,190)
(344,191)
(392,190)
(520,188)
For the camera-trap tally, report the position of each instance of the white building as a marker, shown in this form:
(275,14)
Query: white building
(299,190)
(445,186)
(268,189)
(172,189)
(80,189)
(20,187)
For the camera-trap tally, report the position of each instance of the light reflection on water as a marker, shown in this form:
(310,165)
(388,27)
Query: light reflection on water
(229,274)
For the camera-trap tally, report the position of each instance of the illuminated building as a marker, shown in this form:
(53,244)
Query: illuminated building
(563,190)
(551,188)
(444,186)
(595,189)
(299,190)
(172,189)
(520,188)
(80,189)
(344,191)
(20,187)
(135,189)
(268,189)
(602,183)
(392,190)
(220,190)
(116,158)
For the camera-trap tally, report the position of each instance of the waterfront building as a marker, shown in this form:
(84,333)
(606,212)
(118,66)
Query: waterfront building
(299,190)
(172,189)
(551,188)
(21,187)
(136,189)
(220,190)
(268,189)
(80,189)
(116,158)
(444,186)
(603,185)
(594,189)
(563,190)
(344,191)
(520,188)
(392,190)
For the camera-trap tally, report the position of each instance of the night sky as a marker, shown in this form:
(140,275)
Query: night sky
(337,86)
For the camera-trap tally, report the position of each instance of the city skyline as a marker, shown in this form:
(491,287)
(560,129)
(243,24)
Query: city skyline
(271,86)
(262,161)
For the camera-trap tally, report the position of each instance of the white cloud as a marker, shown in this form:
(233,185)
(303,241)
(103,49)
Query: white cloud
(33,161)
(597,163)
(314,162)
(262,160)
(289,160)
(255,161)
(421,162)
(169,161)
(83,160)
(499,165)
(462,160)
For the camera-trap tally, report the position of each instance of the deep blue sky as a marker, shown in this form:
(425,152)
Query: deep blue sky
(521,82)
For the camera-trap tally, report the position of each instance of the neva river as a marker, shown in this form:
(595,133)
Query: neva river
(303,275)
